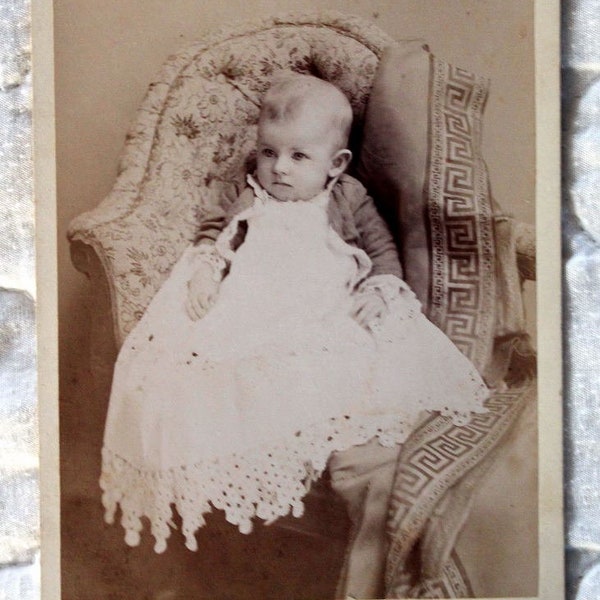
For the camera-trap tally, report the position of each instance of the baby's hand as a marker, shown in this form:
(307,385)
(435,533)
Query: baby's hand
(368,307)
(202,292)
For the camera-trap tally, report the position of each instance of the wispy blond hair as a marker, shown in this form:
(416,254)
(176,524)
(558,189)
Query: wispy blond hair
(292,93)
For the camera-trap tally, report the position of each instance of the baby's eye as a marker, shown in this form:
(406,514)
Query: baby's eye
(299,156)
(267,152)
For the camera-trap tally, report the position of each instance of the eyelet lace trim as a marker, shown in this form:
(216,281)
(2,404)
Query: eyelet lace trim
(267,483)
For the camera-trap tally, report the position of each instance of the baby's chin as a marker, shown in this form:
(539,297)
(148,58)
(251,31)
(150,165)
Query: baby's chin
(287,193)
(283,192)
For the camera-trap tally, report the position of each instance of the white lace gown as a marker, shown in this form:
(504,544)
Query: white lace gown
(241,409)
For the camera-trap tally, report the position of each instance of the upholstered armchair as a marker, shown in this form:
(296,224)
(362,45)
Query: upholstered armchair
(416,141)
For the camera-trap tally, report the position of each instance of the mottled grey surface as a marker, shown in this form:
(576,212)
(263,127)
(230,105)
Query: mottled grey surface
(19,486)
(581,124)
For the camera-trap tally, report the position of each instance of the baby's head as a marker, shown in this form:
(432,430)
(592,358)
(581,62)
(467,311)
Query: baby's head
(303,131)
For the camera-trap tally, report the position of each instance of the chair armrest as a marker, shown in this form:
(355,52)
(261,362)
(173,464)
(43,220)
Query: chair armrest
(132,256)
(103,344)
(525,239)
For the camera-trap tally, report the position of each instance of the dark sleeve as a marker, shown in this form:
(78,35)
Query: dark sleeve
(375,235)
(213,223)
(217,218)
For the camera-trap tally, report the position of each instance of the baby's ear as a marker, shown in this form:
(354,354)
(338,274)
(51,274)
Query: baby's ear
(340,161)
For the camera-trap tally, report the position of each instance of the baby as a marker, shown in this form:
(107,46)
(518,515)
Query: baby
(283,342)
(301,149)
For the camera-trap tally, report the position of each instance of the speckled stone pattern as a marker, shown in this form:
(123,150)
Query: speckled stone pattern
(19,487)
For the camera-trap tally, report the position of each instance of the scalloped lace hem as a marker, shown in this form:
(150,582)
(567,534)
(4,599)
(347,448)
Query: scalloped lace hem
(266,483)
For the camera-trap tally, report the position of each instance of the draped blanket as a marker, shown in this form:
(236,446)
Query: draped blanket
(436,476)
(423,163)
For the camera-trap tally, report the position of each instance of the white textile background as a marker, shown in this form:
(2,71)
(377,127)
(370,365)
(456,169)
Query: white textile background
(19,484)
(581,234)
(19,493)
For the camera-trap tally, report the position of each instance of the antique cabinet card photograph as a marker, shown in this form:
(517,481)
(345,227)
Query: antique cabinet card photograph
(307,268)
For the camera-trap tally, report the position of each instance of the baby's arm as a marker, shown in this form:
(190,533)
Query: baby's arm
(371,301)
(203,286)
(376,238)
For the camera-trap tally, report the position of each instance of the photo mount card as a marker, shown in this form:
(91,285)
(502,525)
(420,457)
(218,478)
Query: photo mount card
(129,153)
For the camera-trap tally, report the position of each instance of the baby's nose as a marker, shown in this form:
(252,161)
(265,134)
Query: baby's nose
(281,165)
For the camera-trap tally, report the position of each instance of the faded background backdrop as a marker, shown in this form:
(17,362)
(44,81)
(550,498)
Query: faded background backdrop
(107,52)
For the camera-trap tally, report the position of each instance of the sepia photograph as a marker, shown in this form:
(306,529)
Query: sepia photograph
(298,253)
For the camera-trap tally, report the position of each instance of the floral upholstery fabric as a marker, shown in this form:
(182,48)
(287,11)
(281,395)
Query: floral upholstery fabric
(194,133)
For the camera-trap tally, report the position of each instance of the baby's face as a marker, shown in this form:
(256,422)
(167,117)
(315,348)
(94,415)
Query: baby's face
(295,157)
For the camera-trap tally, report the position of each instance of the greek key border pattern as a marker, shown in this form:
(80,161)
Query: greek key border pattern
(435,458)
(459,207)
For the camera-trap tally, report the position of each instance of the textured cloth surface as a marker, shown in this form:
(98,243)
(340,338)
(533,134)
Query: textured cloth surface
(19,495)
(581,69)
